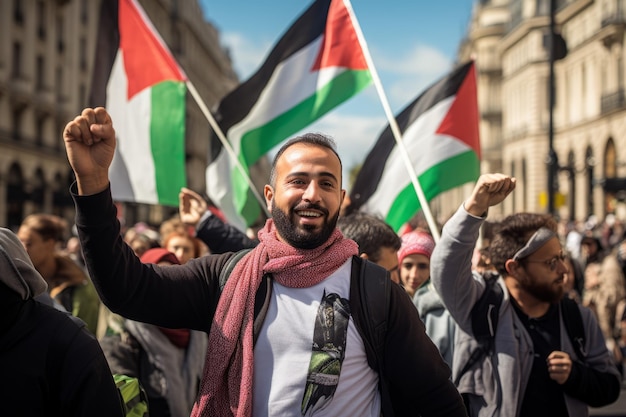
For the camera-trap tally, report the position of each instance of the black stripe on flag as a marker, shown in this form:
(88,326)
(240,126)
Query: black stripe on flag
(371,172)
(107,44)
(237,104)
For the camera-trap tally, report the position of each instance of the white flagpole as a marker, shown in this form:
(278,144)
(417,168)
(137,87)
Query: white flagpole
(225,143)
(394,126)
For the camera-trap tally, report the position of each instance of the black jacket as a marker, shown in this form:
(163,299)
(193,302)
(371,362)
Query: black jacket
(52,366)
(418,378)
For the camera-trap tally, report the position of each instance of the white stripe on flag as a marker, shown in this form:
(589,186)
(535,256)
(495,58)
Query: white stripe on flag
(425,148)
(132,127)
(291,83)
(220,190)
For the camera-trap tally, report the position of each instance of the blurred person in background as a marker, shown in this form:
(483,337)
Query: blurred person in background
(67,282)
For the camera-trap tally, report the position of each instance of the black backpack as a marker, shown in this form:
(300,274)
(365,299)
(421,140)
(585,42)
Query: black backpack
(485,315)
(370,289)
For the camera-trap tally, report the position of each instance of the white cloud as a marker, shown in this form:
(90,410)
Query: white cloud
(247,54)
(354,135)
(406,76)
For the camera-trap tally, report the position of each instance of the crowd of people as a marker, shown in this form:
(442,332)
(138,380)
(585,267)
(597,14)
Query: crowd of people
(289,327)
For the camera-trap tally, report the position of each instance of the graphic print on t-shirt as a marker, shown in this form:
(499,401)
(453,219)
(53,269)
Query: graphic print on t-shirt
(329,349)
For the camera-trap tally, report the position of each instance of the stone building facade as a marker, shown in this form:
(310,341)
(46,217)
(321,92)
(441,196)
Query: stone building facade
(47,49)
(508,40)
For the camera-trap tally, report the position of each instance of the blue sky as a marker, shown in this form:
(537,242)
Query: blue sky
(412,44)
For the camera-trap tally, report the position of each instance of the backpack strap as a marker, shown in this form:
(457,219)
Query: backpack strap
(261,300)
(484,315)
(573,320)
(370,292)
(230,265)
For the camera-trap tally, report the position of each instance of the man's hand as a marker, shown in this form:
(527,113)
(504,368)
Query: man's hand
(490,189)
(90,145)
(559,366)
(191,206)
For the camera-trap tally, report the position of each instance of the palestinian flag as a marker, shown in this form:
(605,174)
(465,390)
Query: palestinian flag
(440,132)
(316,65)
(138,80)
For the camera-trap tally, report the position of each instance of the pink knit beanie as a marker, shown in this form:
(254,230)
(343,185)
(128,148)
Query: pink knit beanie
(416,243)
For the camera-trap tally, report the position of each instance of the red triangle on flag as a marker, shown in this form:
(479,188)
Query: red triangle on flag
(340,47)
(462,119)
(147,60)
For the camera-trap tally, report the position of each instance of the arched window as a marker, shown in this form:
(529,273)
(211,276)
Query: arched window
(38,191)
(15,197)
(571,194)
(590,163)
(610,171)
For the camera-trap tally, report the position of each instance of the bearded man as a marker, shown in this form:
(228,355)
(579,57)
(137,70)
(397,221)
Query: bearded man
(283,336)
(533,369)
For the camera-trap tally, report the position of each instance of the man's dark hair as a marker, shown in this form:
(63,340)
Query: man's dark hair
(513,233)
(371,233)
(315,139)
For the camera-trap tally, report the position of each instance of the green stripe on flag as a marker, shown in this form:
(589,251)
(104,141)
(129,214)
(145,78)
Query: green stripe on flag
(167,139)
(435,180)
(259,141)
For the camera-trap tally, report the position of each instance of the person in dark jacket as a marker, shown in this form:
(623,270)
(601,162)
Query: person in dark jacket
(167,362)
(219,236)
(51,365)
(282,336)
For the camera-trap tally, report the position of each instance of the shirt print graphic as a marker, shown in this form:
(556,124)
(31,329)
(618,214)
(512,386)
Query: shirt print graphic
(329,350)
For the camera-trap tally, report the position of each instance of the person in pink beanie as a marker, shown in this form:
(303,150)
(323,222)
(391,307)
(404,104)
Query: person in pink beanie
(414,260)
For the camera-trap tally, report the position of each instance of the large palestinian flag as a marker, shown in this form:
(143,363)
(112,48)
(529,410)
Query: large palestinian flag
(316,65)
(143,88)
(440,133)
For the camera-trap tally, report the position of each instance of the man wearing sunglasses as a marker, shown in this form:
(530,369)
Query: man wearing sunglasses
(533,369)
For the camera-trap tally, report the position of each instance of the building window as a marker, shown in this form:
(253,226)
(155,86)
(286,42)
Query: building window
(15,197)
(17,116)
(16,69)
(39,76)
(83,54)
(83,12)
(589,164)
(39,130)
(60,40)
(58,84)
(41,19)
(18,12)
(82,94)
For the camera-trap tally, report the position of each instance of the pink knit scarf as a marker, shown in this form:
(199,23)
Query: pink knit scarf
(226,388)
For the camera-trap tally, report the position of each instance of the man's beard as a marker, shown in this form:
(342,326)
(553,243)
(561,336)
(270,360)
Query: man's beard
(546,292)
(296,236)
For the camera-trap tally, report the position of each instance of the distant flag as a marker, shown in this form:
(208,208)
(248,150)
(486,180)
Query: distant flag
(440,132)
(138,80)
(317,65)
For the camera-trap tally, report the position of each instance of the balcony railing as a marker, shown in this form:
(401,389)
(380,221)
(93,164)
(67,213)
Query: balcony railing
(613,101)
(614,15)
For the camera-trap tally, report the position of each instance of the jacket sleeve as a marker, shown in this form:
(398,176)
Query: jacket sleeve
(418,378)
(451,267)
(177,296)
(595,380)
(222,237)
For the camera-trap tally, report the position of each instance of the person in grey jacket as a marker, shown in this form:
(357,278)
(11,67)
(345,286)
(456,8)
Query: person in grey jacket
(534,369)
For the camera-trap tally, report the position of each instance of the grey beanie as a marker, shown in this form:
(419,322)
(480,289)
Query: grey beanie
(16,269)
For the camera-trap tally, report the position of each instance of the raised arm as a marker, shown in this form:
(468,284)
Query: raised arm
(90,145)
(451,265)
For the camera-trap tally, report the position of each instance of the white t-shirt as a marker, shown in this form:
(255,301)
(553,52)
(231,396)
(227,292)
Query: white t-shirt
(283,350)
